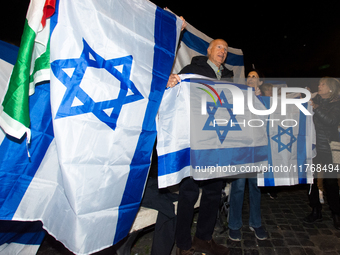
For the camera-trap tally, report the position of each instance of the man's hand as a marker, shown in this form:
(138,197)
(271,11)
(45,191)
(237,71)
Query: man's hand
(184,23)
(173,80)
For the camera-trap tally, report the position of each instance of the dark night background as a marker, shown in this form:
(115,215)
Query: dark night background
(280,39)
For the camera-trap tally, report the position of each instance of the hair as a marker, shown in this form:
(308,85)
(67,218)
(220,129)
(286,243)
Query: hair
(334,86)
(265,86)
(259,73)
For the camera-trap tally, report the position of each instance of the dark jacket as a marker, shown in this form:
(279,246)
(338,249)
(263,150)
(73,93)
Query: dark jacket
(326,120)
(200,66)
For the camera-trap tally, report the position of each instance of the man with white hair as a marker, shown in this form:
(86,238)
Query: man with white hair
(211,66)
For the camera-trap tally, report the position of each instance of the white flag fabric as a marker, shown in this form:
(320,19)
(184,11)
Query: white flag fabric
(205,146)
(8,57)
(195,43)
(110,62)
(291,143)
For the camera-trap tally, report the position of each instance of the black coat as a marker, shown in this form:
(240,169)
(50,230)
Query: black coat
(326,120)
(200,66)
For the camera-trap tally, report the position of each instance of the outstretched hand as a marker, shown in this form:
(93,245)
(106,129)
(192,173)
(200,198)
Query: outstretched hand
(173,80)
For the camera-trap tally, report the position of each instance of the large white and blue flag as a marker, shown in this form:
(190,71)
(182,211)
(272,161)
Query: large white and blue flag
(16,237)
(217,142)
(209,140)
(92,142)
(291,146)
(195,43)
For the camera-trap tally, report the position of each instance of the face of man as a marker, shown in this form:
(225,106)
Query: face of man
(217,52)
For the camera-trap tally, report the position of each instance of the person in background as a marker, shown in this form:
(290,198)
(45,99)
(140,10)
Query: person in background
(237,191)
(266,89)
(211,66)
(326,118)
(254,80)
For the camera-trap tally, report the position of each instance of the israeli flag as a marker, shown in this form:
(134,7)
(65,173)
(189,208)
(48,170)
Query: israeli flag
(217,142)
(291,146)
(195,43)
(92,142)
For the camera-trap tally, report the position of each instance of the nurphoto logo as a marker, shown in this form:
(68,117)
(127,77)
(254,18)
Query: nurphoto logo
(238,100)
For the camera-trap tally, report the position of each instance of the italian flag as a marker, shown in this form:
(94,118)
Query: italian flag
(32,67)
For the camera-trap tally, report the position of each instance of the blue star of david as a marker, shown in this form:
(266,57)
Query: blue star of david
(90,59)
(221,130)
(277,138)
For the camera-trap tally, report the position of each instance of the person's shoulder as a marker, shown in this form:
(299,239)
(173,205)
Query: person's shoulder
(196,62)
(187,69)
(199,60)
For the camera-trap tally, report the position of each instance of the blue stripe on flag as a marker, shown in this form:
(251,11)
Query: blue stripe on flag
(8,52)
(21,232)
(16,169)
(195,43)
(269,175)
(301,147)
(164,54)
(173,162)
(234,59)
(54,18)
(228,156)
(199,45)
(215,82)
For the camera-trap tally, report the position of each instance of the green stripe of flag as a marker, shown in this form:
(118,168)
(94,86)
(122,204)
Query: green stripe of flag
(15,103)
(32,67)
